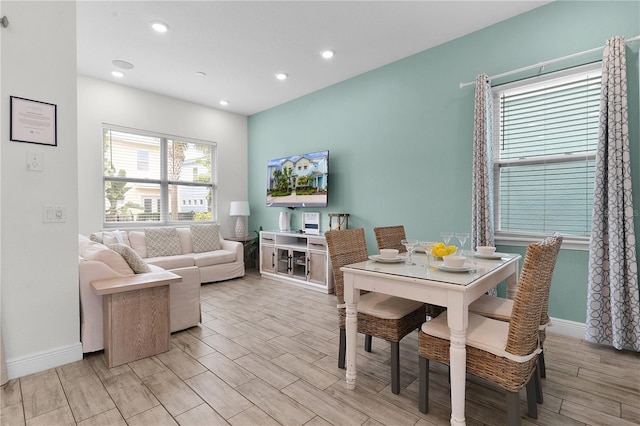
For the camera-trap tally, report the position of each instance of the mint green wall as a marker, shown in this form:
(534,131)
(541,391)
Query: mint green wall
(400,136)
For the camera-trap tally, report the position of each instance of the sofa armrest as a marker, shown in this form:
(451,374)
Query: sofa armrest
(234,246)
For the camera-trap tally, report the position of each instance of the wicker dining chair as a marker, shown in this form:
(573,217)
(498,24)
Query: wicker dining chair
(390,237)
(500,308)
(386,317)
(504,353)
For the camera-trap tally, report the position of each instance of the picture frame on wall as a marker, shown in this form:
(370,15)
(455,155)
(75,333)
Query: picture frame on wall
(33,121)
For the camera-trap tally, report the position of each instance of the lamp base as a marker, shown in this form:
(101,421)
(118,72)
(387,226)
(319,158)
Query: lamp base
(241,229)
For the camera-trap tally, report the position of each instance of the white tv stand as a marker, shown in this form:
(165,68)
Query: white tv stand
(296,258)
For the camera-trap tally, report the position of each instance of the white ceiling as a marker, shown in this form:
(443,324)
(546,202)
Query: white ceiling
(240,45)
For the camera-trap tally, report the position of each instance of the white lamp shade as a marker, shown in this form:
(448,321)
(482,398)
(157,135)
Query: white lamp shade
(239,208)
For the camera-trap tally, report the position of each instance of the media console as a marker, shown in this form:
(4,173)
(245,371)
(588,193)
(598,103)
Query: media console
(296,258)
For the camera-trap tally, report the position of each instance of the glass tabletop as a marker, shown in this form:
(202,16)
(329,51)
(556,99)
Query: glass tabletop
(473,269)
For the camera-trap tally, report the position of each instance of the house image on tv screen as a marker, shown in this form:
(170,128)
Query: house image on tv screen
(298,181)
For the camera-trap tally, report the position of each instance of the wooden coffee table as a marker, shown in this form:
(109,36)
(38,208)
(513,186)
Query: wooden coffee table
(135,315)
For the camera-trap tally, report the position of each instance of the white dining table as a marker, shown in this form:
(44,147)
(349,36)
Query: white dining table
(454,290)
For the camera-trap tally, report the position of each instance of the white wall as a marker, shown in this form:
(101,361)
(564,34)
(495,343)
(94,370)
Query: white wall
(39,266)
(104,102)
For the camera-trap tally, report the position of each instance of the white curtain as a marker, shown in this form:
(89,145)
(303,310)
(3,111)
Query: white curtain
(481,175)
(613,306)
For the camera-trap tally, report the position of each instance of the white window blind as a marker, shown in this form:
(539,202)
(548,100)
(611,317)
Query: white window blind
(545,141)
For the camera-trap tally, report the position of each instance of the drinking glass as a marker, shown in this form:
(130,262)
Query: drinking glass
(446,237)
(427,246)
(462,237)
(410,245)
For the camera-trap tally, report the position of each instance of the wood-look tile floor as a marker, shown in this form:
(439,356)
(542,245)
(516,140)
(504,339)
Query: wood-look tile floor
(266,354)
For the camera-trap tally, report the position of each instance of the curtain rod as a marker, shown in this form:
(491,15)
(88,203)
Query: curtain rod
(542,64)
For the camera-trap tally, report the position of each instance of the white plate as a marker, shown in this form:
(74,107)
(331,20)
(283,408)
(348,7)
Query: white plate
(488,256)
(464,268)
(381,259)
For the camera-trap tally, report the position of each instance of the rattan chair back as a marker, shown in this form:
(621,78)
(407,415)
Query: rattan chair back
(345,247)
(389,237)
(532,295)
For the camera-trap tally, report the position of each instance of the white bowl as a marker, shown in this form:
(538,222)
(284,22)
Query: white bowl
(454,261)
(389,253)
(486,250)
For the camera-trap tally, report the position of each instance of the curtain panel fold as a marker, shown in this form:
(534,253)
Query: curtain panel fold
(481,174)
(613,305)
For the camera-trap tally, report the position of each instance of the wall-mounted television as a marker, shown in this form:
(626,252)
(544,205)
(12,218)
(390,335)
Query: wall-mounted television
(298,180)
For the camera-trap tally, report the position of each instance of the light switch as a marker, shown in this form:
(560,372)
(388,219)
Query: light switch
(54,214)
(35,161)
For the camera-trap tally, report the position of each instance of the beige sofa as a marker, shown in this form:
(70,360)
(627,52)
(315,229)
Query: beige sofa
(97,261)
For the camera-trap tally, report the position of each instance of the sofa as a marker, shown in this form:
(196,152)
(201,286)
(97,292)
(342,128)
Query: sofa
(198,254)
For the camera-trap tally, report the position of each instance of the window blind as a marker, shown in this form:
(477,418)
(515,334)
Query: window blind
(544,154)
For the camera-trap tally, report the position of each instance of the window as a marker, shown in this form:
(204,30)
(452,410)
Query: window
(545,136)
(149,177)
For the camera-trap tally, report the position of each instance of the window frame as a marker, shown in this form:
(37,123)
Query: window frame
(163,181)
(574,242)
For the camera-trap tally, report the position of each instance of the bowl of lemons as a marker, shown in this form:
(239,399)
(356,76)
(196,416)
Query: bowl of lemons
(440,250)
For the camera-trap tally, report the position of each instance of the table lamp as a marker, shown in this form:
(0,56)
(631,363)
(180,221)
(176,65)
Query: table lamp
(240,209)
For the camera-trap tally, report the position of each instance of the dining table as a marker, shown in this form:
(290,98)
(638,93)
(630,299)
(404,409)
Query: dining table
(428,280)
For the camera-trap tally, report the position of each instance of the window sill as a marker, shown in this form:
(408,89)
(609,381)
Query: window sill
(569,242)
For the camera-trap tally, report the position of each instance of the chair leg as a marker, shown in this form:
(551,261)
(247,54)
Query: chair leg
(537,384)
(513,408)
(342,350)
(543,369)
(367,342)
(423,385)
(395,367)
(532,406)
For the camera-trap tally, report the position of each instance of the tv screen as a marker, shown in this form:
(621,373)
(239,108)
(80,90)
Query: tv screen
(298,181)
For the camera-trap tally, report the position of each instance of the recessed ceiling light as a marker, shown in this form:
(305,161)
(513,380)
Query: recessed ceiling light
(327,54)
(160,27)
(118,74)
(122,64)
(281,76)
(224,102)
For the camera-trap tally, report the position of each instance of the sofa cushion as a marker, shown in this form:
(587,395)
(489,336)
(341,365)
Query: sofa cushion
(205,237)
(216,257)
(138,243)
(102,253)
(136,263)
(172,262)
(185,240)
(162,242)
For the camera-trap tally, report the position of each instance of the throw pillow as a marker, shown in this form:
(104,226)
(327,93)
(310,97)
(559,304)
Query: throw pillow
(132,258)
(96,237)
(102,253)
(162,242)
(205,237)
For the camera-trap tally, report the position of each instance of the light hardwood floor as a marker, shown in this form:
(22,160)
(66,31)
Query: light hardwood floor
(266,354)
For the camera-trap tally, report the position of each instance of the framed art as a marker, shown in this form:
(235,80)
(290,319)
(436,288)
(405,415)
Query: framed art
(33,121)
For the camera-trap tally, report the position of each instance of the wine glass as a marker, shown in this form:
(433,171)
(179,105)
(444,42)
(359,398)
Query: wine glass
(410,246)
(446,237)
(427,246)
(462,237)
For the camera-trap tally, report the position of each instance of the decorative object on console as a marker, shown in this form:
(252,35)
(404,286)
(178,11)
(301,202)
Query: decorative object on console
(311,223)
(342,221)
(284,221)
(240,209)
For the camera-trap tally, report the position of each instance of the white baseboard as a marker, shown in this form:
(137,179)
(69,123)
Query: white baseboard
(567,328)
(43,361)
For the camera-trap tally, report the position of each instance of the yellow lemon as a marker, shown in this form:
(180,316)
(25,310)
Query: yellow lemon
(442,252)
(451,249)
(440,245)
